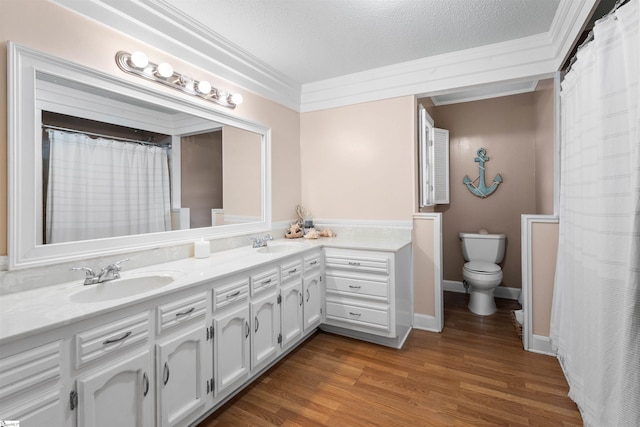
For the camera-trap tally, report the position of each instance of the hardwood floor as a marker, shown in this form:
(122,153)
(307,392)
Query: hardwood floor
(475,373)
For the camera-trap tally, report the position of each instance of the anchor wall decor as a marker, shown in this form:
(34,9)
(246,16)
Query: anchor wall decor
(482,190)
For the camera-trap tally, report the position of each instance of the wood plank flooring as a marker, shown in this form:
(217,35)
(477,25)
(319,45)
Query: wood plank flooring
(475,373)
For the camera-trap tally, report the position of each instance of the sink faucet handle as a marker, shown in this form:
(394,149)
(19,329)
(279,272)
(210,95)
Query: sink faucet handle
(268,237)
(89,272)
(116,265)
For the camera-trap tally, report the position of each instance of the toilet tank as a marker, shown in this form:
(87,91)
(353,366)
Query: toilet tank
(483,247)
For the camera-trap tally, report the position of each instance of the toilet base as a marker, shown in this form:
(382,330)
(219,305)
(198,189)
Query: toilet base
(481,301)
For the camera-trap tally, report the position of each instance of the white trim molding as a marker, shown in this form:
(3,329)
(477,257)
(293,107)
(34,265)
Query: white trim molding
(531,342)
(500,291)
(426,323)
(159,24)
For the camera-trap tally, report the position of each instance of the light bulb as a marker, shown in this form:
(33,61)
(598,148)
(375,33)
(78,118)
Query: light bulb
(138,60)
(204,87)
(236,99)
(164,70)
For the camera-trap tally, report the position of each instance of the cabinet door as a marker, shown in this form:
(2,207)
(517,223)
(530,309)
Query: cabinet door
(119,393)
(232,359)
(37,410)
(265,329)
(291,313)
(183,370)
(312,301)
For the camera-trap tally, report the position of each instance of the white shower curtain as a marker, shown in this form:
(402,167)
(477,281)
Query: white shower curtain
(595,324)
(99,188)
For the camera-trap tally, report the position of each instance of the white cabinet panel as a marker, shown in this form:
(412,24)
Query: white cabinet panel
(265,329)
(119,393)
(312,297)
(232,358)
(291,312)
(183,372)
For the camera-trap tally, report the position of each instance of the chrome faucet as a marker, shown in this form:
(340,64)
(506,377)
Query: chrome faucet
(110,272)
(260,242)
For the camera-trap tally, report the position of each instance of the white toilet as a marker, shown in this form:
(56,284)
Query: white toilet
(483,252)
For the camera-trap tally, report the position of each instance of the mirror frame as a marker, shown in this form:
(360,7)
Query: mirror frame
(25,158)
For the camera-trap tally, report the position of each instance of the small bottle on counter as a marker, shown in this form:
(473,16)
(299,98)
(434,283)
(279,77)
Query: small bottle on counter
(201,249)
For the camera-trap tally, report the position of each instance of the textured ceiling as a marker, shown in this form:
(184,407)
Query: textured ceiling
(313,40)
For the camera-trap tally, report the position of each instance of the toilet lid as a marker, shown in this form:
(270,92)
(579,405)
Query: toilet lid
(482,267)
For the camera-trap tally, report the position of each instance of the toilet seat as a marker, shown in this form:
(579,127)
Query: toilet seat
(481,268)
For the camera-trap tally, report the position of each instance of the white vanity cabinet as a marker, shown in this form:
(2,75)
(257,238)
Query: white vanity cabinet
(292,321)
(232,330)
(184,360)
(116,386)
(369,294)
(313,291)
(30,386)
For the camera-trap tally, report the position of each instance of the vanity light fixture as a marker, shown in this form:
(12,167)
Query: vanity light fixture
(138,64)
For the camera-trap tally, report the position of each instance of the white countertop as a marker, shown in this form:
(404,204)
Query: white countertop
(35,311)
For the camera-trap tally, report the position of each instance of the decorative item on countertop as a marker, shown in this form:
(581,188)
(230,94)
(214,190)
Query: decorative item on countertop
(294,231)
(482,190)
(201,249)
(314,234)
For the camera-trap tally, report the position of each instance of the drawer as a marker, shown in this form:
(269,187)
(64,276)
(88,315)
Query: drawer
(178,312)
(312,263)
(99,342)
(29,370)
(230,293)
(291,271)
(264,280)
(375,288)
(379,265)
(369,317)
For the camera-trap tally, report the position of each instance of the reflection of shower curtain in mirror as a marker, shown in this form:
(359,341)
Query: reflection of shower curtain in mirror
(103,188)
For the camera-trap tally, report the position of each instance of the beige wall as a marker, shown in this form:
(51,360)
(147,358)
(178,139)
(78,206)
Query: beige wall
(423,266)
(543,99)
(508,128)
(358,161)
(544,248)
(201,176)
(44,26)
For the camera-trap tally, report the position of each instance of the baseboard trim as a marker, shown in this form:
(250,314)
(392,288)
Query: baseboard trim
(500,292)
(426,323)
(541,344)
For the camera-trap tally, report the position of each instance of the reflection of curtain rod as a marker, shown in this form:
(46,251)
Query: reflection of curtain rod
(100,135)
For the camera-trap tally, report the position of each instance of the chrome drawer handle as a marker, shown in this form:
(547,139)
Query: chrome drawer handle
(265,282)
(357,264)
(354,287)
(257,324)
(184,313)
(301,299)
(293,271)
(313,262)
(248,329)
(114,340)
(355,314)
(233,295)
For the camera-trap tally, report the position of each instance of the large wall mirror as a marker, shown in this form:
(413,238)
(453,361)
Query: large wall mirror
(100,165)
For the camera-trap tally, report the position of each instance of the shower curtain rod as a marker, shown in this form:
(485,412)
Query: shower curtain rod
(590,36)
(100,135)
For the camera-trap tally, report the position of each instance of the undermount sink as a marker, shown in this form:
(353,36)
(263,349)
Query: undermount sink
(280,247)
(127,286)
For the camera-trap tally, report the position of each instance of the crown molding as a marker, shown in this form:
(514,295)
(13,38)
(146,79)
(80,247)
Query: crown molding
(158,23)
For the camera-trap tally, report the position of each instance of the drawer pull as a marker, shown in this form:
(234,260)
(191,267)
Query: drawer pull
(308,294)
(248,329)
(354,263)
(257,324)
(145,382)
(293,271)
(313,262)
(301,299)
(166,373)
(355,314)
(265,282)
(233,295)
(354,287)
(114,340)
(184,313)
